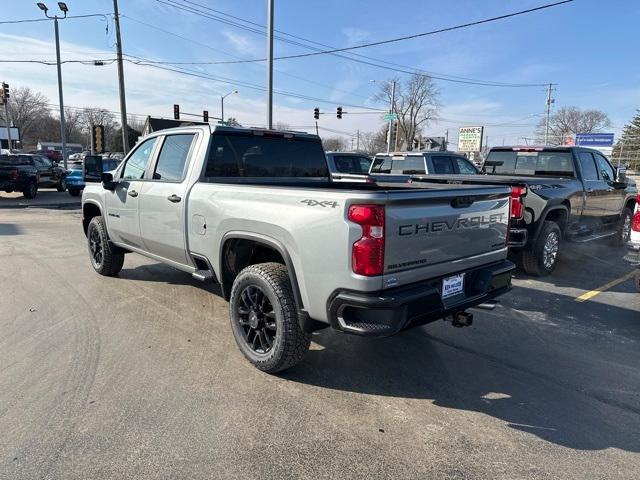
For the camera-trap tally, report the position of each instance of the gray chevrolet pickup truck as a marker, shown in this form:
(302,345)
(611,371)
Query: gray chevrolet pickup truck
(255,211)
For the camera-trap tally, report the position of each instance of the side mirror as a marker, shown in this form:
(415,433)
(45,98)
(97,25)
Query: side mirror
(107,181)
(621,175)
(92,165)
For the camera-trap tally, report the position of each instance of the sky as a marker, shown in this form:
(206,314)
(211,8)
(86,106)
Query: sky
(587,48)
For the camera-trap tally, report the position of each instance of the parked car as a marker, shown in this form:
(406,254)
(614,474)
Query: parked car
(422,163)
(48,174)
(18,174)
(633,255)
(53,155)
(255,211)
(75,173)
(559,193)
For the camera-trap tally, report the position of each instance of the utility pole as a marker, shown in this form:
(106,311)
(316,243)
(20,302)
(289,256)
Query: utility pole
(317,128)
(395,148)
(393,101)
(270,64)
(549,102)
(446,139)
(357,140)
(123,101)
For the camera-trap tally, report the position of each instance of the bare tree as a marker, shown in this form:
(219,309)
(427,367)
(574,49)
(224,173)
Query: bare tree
(282,126)
(568,121)
(27,109)
(334,144)
(99,116)
(73,125)
(374,142)
(416,104)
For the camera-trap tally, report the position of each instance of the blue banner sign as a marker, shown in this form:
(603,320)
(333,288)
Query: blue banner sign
(594,139)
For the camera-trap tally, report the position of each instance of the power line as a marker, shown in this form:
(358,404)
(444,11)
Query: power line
(345,49)
(33,20)
(439,76)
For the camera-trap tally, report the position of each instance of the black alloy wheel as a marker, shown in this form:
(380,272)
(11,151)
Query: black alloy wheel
(258,319)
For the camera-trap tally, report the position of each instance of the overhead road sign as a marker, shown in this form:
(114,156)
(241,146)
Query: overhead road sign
(594,139)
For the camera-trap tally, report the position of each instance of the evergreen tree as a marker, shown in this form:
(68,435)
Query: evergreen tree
(627,149)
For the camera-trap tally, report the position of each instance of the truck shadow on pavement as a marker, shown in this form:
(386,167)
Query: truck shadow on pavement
(510,371)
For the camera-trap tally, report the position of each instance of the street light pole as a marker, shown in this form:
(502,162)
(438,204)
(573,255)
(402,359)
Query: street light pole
(222,103)
(63,130)
(269,64)
(63,136)
(123,101)
(549,102)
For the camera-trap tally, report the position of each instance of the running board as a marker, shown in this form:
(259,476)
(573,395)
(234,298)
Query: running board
(206,276)
(593,237)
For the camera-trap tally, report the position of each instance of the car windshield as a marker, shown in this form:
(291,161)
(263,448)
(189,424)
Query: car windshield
(527,162)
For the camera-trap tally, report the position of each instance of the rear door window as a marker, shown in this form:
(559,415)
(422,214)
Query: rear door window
(442,165)
(465,167)
(551,162)
(250,155)
(587,166)
(173,157)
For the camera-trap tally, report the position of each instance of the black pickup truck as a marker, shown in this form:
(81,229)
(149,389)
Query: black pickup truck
(558,193)
(25,173)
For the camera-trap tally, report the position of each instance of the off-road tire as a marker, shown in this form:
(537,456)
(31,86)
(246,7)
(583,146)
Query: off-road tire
(112,257)
(31,191)
(74,192)
(290,343)
(533,260)
(619,239)
(62,185)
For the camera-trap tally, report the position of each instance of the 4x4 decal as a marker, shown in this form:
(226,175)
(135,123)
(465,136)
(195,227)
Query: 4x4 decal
(318,203)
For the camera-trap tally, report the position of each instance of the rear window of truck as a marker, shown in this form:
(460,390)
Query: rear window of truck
(404,165)
(250,155)
(510,162)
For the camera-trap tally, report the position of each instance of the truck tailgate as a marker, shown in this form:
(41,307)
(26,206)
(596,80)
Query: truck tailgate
(444,230)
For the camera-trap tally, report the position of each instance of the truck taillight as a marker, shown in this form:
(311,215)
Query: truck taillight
(517,209)
(635,223)
(367,256)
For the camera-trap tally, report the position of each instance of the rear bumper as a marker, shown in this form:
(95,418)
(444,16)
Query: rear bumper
(391,311)
(518,237)
(633,254)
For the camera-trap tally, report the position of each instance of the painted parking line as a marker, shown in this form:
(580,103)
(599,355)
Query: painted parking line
(589,295)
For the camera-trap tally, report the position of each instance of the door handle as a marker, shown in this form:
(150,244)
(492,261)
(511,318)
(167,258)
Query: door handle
(174,198)
(132,193)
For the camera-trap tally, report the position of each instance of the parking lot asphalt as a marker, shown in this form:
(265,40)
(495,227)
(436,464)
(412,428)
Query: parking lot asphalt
(46,198)
(138,376)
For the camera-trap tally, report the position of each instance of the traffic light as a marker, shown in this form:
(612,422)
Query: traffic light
(316,113)
(176,112)
(4,93)
(97,134)
(205,116)
(339,112)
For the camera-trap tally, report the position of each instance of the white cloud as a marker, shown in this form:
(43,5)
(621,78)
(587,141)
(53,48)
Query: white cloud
(241,43)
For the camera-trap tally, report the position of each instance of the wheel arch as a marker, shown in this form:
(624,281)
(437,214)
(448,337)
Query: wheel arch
(241,249)
(90,209)
(556,213)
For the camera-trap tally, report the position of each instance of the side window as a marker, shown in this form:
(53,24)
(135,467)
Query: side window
(381,165)
(365,163)
(604,167)
(37,161)
(442,165)
(587,166)
(344,164)
(465,167)
(137,162)
(173,157)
